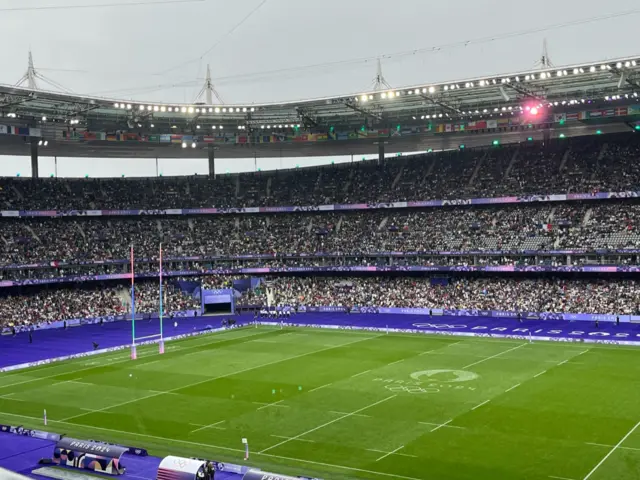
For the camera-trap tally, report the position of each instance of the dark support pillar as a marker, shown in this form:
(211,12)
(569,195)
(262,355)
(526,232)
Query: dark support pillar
(546,137)
(211,154)
(34,158)
(380,152)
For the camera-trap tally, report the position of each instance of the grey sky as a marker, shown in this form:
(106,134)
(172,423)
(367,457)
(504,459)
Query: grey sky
(118,50)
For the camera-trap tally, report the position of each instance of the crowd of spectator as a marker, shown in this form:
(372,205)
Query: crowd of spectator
(605,163)
(597,225)
(525,295)
(88,301)
(612,296)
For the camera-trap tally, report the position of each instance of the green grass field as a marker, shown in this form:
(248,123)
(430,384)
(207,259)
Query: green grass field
(339,404)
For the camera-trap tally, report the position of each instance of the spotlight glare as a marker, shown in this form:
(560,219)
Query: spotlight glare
(184,145)
(193,145)
(534,111)
(217,110)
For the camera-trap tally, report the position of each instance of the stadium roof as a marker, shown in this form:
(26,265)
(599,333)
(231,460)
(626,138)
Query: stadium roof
(552,89)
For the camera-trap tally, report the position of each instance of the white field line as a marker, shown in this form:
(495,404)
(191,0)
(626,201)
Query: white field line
(401,454)
(353,415)
(560,478)
(222,376)
(318,388)
(612,450)
(390,453)
(361,373)
(494,356)
(481,404)
(538,374)
(441,425)
(611,446)
(213,425)
(274,404)
(397,361)
(229,449)
(511,388)
(297,439)
(328,423)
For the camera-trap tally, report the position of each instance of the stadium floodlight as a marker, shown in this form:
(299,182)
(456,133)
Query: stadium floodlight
(210,110)
(417,91)
(128,106)
(253,109)
(633,62)
(152,125)
(424,90)
(592,69)
(527,77)
(603,67)
(428,117)
(156,108)
(534,111)
(141,107)
(383,95)
(198,127)
(183,110)
(576,71)
(193,145)
(197,110)
(170,109)
(149,107)
(446,87)
(184,144)
(163,109)
(370,97)
(297,125)
(619,65)
(221,127)
(217,110)
(440,116)
(262,127)
(46,142)
(224,110)
(421,117)
(286,125)
(213,126)
(244,109)
(40,143)
(279,126)
(44,119)
(485,110)
(237,109)
(116,105)
(268,126)
(190,110)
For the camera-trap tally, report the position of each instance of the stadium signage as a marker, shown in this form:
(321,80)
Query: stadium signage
(333,207)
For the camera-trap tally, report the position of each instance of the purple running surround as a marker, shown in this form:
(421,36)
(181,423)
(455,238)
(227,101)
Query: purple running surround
(58,342)
(21,454)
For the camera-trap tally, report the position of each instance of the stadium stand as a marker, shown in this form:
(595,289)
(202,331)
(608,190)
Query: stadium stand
(573,165)
(39,250)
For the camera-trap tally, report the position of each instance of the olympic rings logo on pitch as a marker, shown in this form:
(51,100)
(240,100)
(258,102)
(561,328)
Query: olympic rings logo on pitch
(413,389)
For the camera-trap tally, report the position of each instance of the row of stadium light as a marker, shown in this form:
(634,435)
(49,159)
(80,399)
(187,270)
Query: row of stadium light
(389,95)
(165,109)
